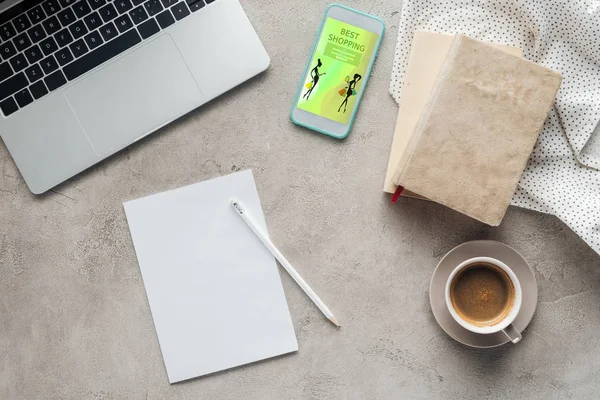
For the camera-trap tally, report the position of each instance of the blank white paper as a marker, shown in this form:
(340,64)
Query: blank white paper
(213,288)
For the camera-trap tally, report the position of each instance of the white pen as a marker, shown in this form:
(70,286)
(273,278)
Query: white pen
(247,217)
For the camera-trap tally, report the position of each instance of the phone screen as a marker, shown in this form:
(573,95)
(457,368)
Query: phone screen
(337,70)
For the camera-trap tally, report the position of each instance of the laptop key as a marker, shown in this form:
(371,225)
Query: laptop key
(49,64)
(7,50)
(78,48)
(138,15)
(81,8)
(48,46)
(51,25)
(7,31)
(54,81)
(123,23)
(96,4)
(36,14)
(92,40)
(165,19)
(33,54)
(108,31)
(36,33)
(108,12)
(5,70)
(66,17)
(23,97)
(13,84)
(195,5)
(66,3)
(38,89)
(34,73)
(51,7)
(22,42)
(9,106)
(21,23)
(93,21)
(18,62)
(64,56)
(137,2)
(148,28)
(78,29)
(63,38)
(102,54)
(168,3)
(123,6)
(180,11)
(153,7)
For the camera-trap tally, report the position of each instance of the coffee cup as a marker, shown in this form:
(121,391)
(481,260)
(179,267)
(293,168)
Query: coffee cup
(484,296)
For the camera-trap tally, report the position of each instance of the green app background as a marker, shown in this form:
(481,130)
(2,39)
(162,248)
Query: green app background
(340,58)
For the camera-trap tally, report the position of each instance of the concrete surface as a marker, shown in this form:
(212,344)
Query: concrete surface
(75,322)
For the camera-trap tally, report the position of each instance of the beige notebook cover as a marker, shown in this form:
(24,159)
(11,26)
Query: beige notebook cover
(427,56)
(477,130)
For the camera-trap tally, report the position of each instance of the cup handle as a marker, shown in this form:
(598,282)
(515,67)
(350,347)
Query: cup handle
(513,334)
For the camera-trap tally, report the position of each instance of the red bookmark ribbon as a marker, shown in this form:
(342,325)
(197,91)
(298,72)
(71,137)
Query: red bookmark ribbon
(397,194)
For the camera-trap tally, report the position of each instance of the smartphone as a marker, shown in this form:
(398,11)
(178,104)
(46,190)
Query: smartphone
(337,72)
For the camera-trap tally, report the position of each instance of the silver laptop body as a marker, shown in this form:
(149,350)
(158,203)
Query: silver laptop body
(178,56)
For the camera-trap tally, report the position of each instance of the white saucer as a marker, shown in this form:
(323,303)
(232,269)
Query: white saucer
(481,248)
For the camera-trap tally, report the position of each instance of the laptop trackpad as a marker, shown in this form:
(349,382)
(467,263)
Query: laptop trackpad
(134,95)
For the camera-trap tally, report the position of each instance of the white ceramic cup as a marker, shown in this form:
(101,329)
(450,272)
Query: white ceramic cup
(505,325)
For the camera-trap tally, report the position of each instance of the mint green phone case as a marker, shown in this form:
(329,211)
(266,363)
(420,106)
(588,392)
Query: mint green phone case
(361,92)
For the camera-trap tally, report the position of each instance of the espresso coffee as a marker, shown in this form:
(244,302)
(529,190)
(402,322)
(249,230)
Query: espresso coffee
(482,294)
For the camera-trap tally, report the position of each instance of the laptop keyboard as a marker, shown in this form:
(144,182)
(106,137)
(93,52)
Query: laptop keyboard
(43,46)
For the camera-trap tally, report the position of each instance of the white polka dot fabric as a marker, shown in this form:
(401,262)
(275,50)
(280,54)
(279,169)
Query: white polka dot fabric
(563,173)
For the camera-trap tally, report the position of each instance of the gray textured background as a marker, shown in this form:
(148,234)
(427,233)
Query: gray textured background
(75,322)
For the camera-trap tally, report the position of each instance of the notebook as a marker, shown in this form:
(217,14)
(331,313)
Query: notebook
(428,53)
(214,290)
(477,130)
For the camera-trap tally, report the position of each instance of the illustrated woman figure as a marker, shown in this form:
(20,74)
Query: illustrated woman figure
(350,91)
(314,74)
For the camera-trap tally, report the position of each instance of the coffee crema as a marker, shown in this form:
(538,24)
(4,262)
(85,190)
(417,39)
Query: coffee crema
(482,294)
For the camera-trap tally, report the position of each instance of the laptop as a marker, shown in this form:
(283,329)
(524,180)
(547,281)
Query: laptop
(82,79)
